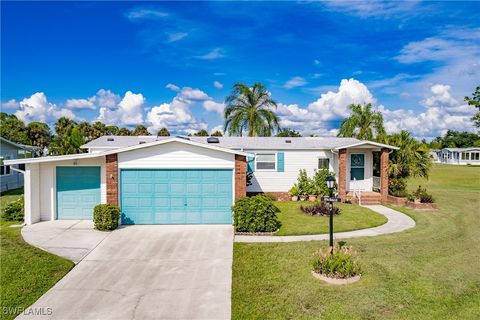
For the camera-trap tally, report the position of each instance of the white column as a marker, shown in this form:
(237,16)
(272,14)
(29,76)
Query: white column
(32,193)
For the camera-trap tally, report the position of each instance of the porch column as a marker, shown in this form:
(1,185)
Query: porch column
(384,173)
(240,176)
(111,161)
(342,173)
(32,193)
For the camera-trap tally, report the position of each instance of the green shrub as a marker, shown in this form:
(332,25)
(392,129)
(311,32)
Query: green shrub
(397,187)
(105,217)
(341,264)
(270,196)
(303,183)
(423,195)
(320,182)
(14,211)
(293,191)
(255,214)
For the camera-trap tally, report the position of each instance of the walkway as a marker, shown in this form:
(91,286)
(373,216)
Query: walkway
(397,222)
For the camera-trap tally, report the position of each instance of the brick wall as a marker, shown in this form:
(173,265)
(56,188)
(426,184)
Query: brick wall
(384,173)
(342,173)
(240,176)
(112,178)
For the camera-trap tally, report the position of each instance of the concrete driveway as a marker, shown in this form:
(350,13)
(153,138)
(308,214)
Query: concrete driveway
(149,272)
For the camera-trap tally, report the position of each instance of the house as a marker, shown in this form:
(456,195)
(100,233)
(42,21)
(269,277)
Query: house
(190,180)
(462,156)
(11,179)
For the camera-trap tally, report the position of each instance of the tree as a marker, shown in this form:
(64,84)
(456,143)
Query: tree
(249,110)
(287,132)
(475,101)
(86,130)
(201,133)
(163,132)
(13,129)
(140,130)
(64,126)
(217,133)
(124,132)
(39,134)
(455,139)
(68,143)
(112,130)
(363,124)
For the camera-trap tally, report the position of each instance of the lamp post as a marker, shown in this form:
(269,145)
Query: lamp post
(331,186)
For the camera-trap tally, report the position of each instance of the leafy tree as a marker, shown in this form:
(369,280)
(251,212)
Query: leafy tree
(39,134)
(363,124)
(217,133)
(112,130)
(475,101)
(124,132)
(86,130)
(287,132)
(250,110)
(13,129)
(456,139)
(201,133)
(163,132)
(68,143)
(140,130)
(64,126)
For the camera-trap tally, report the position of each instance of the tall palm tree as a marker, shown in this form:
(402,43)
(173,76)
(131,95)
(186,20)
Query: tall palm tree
(364,123)
(64,125)
(250,110)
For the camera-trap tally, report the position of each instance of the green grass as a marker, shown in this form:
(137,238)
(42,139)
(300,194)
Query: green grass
(428,272)
(26,272)
(295,222)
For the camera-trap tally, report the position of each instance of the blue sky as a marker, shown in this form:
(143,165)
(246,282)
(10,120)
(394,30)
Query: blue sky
(172,64)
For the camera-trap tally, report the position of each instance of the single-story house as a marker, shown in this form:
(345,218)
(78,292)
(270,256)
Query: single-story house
(11,179)
(462,156)
(190,180)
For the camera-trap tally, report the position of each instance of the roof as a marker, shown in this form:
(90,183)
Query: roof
(461,149)
(19,145)
(120,150)
(240,143)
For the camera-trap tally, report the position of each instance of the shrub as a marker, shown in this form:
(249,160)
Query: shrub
(303,183)
(105,217)
(13,211)
(293,191)
(341,264)
(397,187)
(423,195)
(255,214)
(320,209)
(320,182)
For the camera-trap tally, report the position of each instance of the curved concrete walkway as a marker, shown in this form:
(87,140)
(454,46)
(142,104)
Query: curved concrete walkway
(397,222)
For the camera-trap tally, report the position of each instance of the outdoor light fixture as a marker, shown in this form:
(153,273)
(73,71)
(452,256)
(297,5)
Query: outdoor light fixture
(331,199)
(330,183)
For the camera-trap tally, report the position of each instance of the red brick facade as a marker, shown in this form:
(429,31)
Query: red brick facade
(342,173)
(112,178)
(240,176)
(384,173)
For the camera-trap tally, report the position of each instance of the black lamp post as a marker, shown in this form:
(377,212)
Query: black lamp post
(331,186)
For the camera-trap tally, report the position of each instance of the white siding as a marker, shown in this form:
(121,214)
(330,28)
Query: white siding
(48,184)
(175,156)
(32,193)
(272,181)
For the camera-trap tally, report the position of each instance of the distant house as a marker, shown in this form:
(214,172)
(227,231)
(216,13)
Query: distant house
(461,156)
(9,150)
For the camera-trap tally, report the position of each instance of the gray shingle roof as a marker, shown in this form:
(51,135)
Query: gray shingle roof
(248,143)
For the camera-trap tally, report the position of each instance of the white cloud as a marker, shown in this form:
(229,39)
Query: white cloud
(37,108)
(129,112)
(10,104)
(216,53)
(213,106)
(176,36)
(172,87)
(80,104)
(217,128)
(145,14)
(295,82)
(218,84)
(375,8)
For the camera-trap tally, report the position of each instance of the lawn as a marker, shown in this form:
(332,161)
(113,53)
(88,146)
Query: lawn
(26,272)
(9,196)
(353,217)
(428,272)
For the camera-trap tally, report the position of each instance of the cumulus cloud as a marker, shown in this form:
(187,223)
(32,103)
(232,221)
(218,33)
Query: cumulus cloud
(80,104)
(295,82)
(128,112)
(218,84)
(37,108)
(10,104)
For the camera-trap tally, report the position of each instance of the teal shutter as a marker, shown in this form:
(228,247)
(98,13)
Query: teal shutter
(250,164)
(280,161)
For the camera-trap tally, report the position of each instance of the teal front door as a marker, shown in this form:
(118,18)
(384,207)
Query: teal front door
(78,192)
(357,166)
(176,196)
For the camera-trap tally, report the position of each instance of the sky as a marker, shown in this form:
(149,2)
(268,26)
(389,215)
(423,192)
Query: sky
(171,64)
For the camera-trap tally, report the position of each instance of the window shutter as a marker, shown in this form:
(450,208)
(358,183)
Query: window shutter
(250,164)
(280,162)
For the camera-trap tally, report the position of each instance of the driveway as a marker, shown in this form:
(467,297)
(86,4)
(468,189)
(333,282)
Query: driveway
(149,272)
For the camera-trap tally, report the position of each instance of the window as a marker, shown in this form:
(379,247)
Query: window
(323,163)
(475,156)
(21,166)
(5,170)
(265,161)
(357,166)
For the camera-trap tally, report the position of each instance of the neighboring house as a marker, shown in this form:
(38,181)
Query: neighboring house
(462,156)
(9,177)
(190,180)
(435,154)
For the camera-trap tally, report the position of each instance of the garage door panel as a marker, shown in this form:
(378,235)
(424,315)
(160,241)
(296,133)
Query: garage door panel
(176,196)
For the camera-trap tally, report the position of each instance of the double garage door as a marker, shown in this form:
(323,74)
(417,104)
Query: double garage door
(150,196)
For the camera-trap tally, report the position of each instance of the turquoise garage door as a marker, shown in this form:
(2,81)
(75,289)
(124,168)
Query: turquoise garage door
(78,192)
(176,196)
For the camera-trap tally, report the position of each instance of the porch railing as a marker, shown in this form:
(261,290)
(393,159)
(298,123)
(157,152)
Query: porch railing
(376,183)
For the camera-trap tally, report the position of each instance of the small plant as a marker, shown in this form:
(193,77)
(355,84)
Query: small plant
(342,263)
(293,192)
(13,211)
(397,187)
(303,183)
(255,214)
(320,209)
(105,217)
(423,195)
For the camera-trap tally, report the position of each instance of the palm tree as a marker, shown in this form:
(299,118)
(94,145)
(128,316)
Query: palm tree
(68,143)
(217,133)
(124,132)
(163,132)
(363,124)
(140,130)
(64,126)
(201,133)
(39,134)
(250,110)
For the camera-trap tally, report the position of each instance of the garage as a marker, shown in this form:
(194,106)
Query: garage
(176,196)
(78,191)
